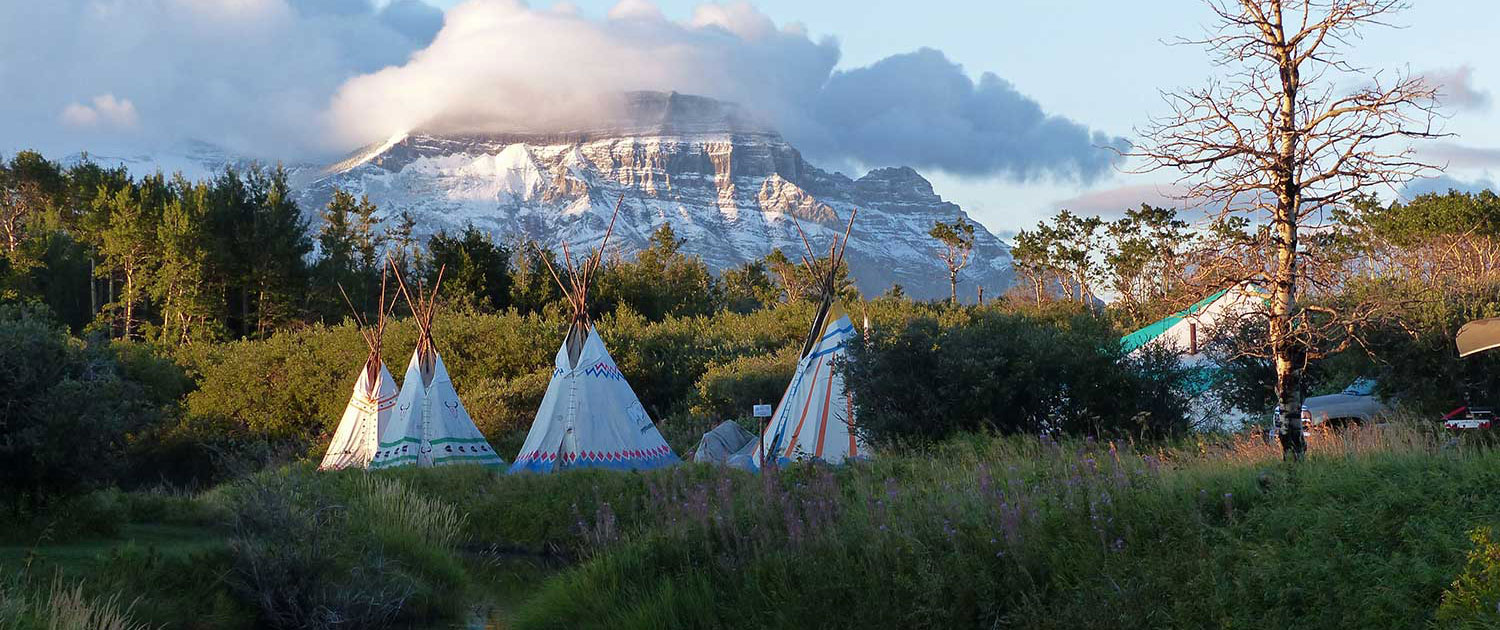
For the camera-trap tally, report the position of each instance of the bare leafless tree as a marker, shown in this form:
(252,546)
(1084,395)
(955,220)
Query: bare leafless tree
(1289,132)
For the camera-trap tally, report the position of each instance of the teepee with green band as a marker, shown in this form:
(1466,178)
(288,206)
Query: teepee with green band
(430,426)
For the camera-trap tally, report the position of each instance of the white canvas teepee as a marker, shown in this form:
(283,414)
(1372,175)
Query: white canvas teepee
(357,438)
(815,418)
(589,418)
(430,426)
(1190,334)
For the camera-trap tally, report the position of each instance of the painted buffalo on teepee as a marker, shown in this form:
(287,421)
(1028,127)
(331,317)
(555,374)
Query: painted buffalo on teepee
(430,427)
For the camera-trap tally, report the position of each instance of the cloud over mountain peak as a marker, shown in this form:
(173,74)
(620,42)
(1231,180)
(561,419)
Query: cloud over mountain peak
(285,79)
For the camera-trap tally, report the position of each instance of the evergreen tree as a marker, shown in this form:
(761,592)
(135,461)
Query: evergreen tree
(532,288)
(661,281)
(336,272)
(476,271)
(748,288)
(405,251)
(367,238)
(261,242)
(281,275)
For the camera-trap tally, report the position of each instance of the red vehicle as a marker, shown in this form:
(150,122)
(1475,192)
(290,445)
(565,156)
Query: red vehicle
(1469,418)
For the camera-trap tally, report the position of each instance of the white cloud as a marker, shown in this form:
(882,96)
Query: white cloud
(251,75)
(740,18)
(105,111)
(635,10)
(499,65)
(293,79)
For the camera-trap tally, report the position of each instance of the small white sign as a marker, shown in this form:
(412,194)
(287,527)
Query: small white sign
(762,411)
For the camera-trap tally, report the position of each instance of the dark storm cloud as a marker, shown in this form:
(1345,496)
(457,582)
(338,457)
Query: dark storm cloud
(1443,183)
(922,110)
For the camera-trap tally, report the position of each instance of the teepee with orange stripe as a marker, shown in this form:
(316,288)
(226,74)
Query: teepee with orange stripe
(357,437)
(815,418)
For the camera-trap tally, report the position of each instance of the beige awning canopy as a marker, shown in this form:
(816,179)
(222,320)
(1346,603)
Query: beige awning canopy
(1478,336)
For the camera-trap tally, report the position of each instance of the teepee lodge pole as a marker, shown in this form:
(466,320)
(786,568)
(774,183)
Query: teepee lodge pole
(580,278)
(806,424)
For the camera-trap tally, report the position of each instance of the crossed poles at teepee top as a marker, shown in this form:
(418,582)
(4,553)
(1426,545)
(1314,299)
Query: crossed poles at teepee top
(423,309)
(824,277)
(372,337)
(581,278)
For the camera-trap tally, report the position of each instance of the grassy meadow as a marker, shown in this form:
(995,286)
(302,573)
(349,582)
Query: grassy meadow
(1385,526)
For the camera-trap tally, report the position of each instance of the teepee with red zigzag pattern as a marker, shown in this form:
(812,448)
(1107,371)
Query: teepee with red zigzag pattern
(589,418)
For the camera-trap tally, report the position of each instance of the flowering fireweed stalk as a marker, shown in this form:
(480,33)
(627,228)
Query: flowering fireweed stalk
(1036,532)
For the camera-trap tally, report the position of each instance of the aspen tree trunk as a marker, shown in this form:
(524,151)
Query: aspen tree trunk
(1284,226)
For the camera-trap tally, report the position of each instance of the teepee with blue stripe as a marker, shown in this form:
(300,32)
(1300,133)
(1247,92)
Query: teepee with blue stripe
(431,426)
(589,418)
(815,418)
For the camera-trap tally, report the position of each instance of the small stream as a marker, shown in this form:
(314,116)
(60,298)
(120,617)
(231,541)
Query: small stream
(484,617)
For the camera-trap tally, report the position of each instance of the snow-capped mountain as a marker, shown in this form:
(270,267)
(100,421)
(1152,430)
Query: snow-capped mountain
(727,184)
(195,160)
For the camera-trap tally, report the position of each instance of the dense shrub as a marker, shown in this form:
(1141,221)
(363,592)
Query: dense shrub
(66,409)
(1033,371)
(729,390)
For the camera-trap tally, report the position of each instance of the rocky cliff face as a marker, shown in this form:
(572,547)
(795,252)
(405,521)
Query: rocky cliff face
(727,184)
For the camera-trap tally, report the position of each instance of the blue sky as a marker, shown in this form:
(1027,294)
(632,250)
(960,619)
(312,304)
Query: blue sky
(1102,63)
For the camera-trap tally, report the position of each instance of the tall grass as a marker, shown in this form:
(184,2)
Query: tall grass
(1030,532)
(65,606)
(70,609)
(342,550)
(994,531)
(396,512)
